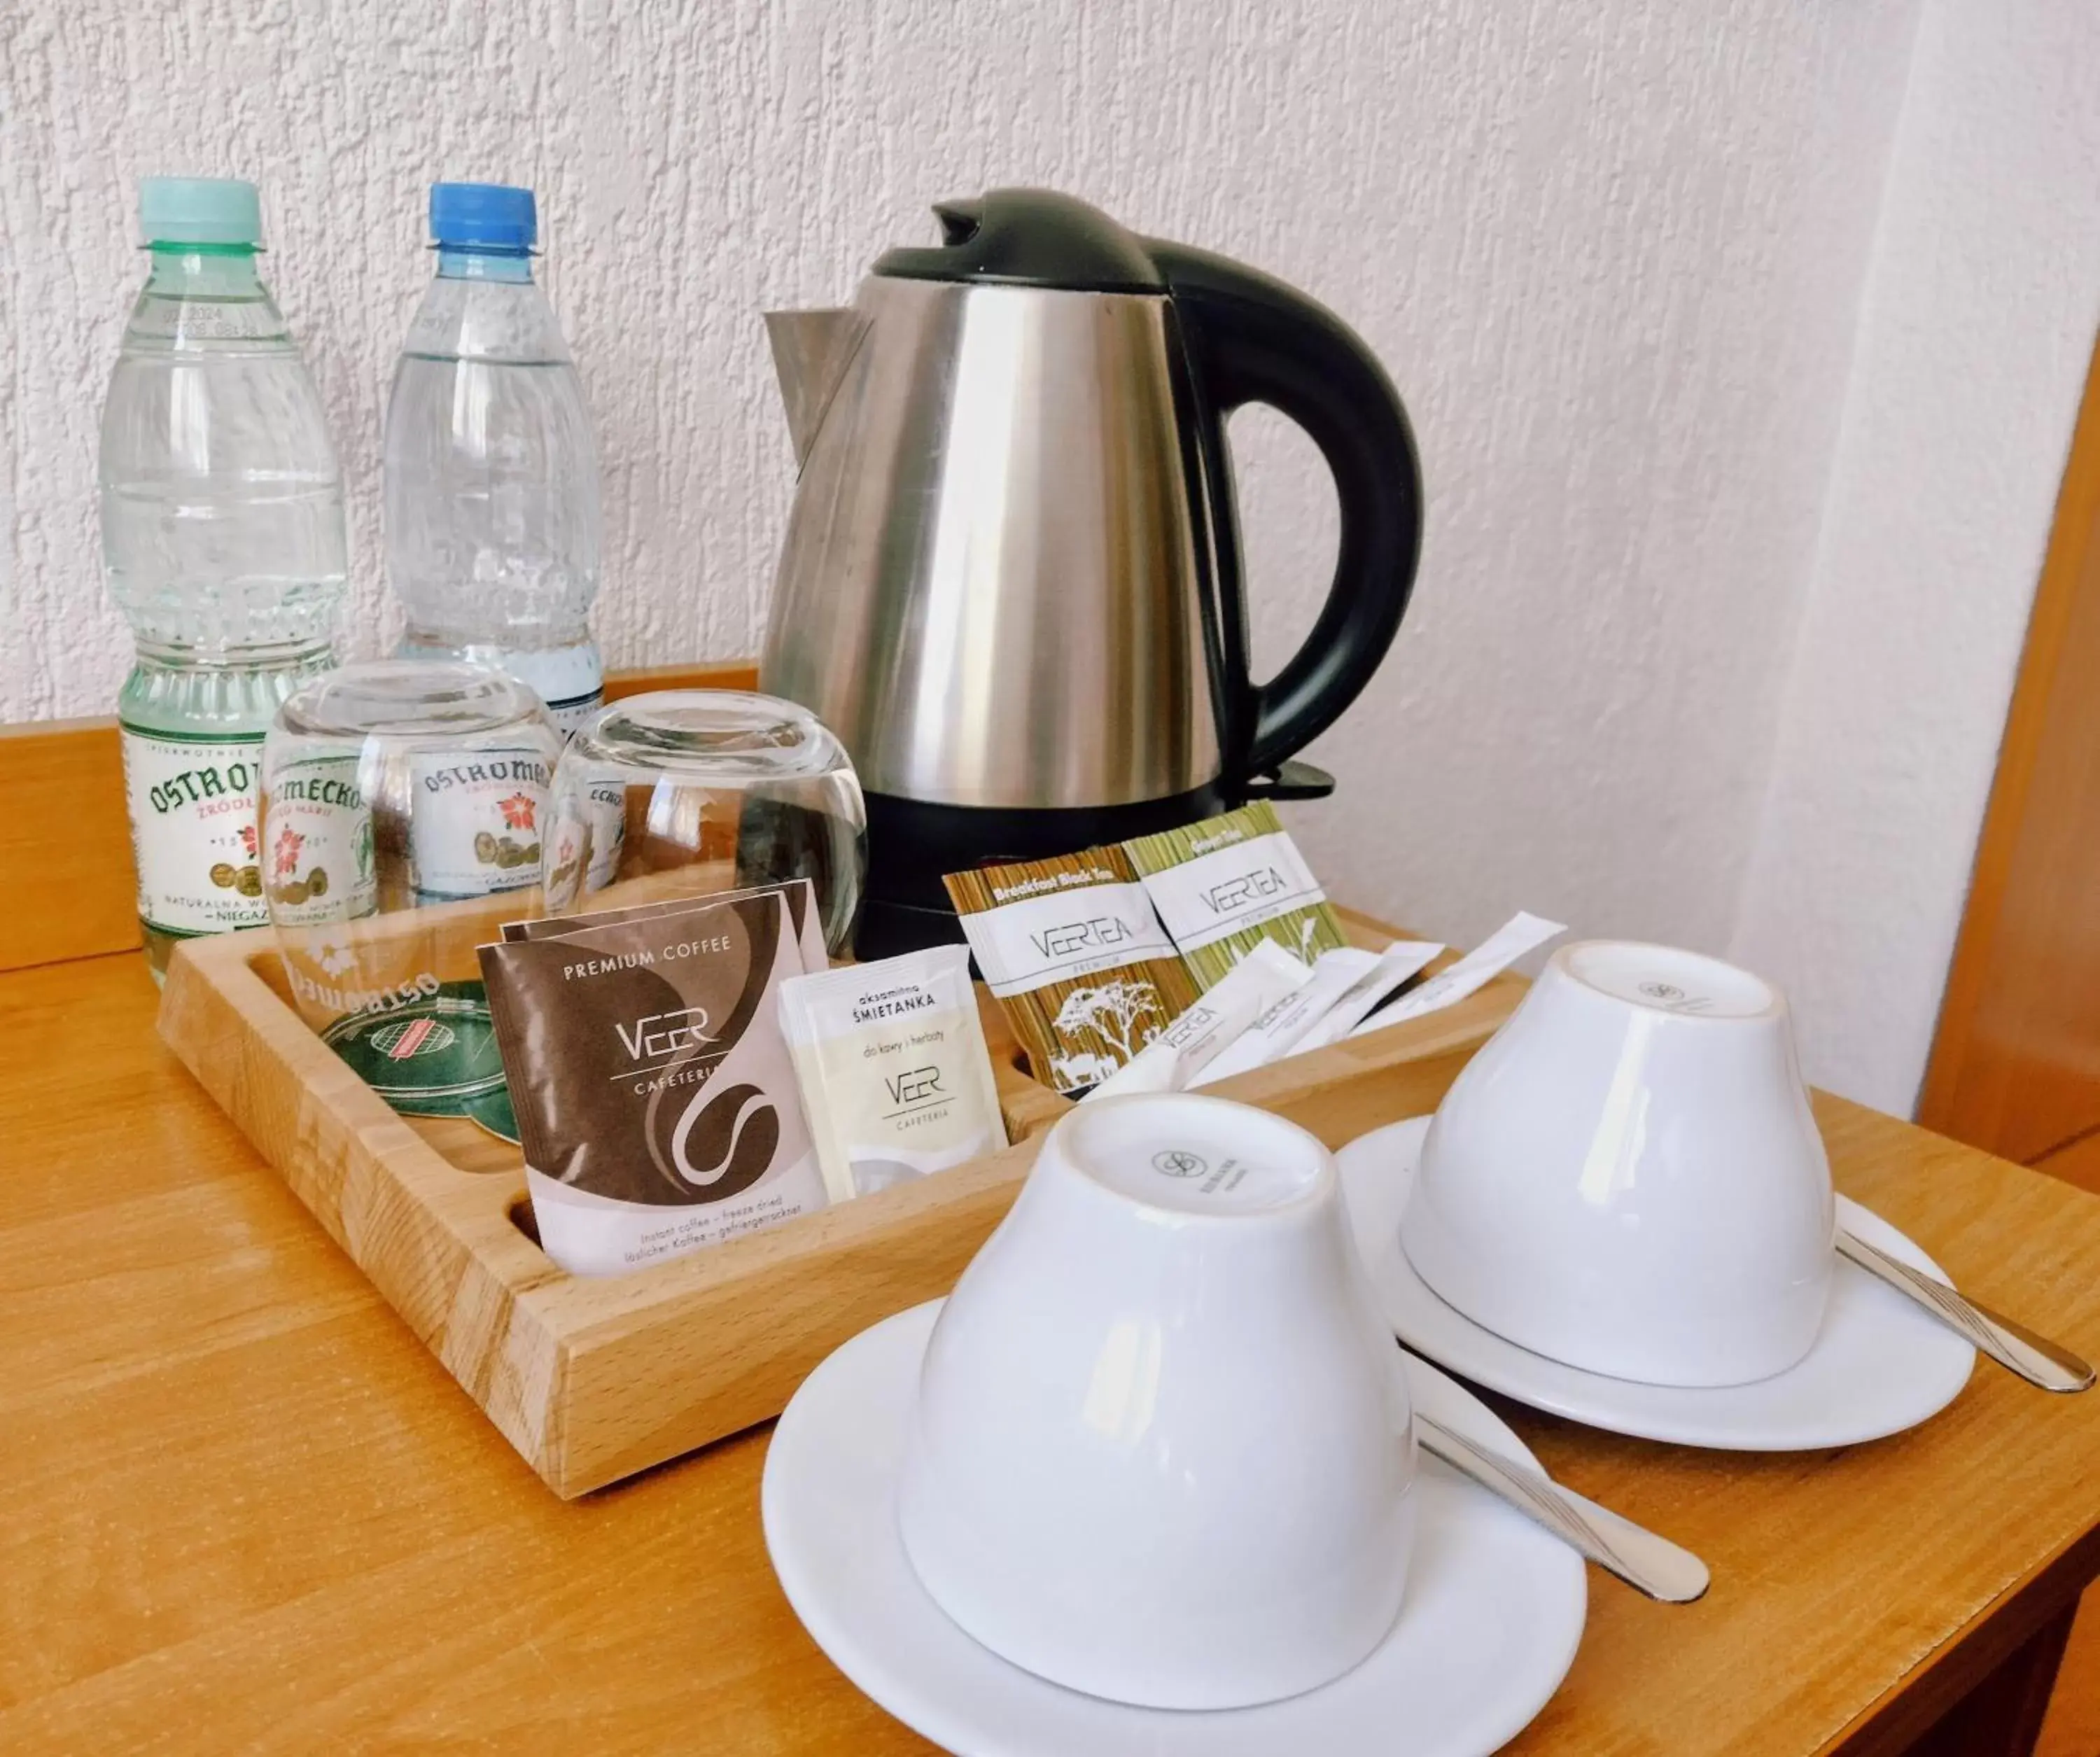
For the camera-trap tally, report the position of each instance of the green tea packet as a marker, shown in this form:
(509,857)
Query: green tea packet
(1224,885)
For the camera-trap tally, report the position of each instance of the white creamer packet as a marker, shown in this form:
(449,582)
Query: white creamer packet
(1400,960)
(1172,1061)
(1519,934)
(896,1079)
(1276,1033)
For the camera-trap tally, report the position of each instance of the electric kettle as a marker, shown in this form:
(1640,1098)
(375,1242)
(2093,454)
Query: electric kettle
(1011,579)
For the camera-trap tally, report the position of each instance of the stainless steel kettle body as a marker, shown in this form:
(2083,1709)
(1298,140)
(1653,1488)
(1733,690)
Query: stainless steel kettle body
(1010,581)
(989,588)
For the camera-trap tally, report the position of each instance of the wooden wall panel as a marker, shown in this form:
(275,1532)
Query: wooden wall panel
(66,884)
(2015,1065)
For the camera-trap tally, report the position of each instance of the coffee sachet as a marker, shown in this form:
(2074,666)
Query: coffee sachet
(654,1094)
(801,894)
(1076,957)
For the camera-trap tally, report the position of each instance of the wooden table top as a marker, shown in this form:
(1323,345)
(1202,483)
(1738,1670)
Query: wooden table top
(245,1509)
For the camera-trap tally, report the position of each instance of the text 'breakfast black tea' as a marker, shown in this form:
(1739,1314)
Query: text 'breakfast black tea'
(1076,955)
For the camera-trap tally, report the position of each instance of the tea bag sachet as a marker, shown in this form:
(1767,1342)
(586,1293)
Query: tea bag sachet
(1077,958)
(1224,885)
(1519,934)
(896,1079)
(1174,1059)
(654,1092)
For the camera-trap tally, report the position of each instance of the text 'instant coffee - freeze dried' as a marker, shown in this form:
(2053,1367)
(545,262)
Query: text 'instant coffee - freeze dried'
(653,1086)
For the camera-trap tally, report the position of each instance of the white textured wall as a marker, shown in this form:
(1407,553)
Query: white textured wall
(1974,341)
(1613,253)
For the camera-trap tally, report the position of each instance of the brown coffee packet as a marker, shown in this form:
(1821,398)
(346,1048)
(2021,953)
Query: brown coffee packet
(656,1097)
(1075,954)
(801,896)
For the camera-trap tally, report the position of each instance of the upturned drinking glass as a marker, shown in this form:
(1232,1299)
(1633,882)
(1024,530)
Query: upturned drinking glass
(404,810)
(688,792)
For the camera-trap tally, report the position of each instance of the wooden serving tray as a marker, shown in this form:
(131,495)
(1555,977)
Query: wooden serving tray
(592,1380)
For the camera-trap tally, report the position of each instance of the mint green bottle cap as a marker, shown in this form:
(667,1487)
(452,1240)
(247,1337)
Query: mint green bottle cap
(199,210)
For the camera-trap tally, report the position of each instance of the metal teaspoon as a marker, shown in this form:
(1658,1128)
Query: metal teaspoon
(1648,1563)
(2013,1346)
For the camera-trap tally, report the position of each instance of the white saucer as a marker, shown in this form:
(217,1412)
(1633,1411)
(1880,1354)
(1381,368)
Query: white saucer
(1494,1607)
(1880,1364)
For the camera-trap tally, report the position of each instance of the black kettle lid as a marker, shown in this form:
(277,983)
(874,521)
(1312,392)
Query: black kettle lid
(1028,238)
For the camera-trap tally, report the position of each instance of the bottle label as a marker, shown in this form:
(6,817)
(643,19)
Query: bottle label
(319,865)
(570,680)
(608,831)
(474,823)
(571,712)
(583,853)
(194,834)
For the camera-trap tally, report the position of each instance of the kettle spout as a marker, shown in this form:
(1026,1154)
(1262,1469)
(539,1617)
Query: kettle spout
(811,350)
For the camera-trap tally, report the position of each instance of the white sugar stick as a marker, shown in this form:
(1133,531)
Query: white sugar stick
(1519,934)
(1274,1035)
(1402,959)
(1172,1060)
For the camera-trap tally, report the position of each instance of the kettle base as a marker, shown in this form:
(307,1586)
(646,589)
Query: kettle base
(913,843)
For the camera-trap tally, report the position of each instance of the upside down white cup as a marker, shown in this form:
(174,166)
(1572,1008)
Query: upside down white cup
(1162,1451)
(1627,1177)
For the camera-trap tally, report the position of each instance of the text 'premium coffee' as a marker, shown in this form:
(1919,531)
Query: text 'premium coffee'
(654,1091)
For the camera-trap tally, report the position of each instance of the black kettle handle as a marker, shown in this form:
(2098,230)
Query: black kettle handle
(1251,338)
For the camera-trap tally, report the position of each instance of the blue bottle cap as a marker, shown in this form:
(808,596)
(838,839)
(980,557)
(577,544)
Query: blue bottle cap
(484,215)
(199,210)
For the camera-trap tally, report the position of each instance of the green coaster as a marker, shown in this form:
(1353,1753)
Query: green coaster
(492,1111)
(431,1057)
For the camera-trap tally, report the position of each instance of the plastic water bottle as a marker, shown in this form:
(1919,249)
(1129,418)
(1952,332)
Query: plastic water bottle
(491,476)
(223,542)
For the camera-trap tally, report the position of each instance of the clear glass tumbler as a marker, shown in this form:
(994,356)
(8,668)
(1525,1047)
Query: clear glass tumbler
(403,807)
(688,792)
